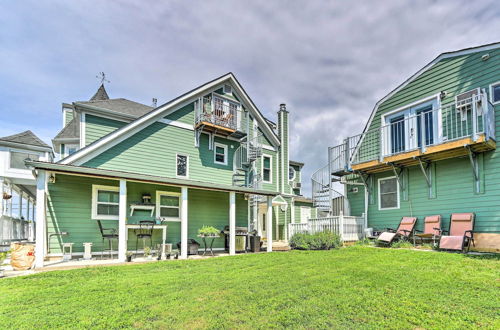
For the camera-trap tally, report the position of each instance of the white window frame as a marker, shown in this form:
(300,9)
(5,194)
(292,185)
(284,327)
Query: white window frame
(303,208)
(491,93)
(380,195)
(224,146)
(21,170)
(160,193)
(270,168)
(294,173)
(75,145)
(95,190)
(187,166)
(225,90)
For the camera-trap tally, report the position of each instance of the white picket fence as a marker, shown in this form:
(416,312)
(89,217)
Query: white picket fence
(353,227)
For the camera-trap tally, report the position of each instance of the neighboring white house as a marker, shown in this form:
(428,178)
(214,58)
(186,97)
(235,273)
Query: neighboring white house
(18,186)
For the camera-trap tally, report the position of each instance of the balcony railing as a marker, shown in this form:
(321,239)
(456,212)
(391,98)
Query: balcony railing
(418,131)
(217,111)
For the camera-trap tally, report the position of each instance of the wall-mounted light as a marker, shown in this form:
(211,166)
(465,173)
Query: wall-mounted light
(442,95)
(52,178)
(485,57)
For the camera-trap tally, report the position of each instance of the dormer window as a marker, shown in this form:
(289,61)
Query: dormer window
(228,89)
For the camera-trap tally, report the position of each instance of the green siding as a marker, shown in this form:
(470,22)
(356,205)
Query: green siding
(184,115)
(70,114)
(97,127)
(69,209)
(452,189)
(274,170)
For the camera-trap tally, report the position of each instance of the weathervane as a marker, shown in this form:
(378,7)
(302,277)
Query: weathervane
(102,76)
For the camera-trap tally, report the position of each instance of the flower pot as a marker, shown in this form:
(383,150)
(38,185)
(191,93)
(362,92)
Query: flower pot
(129,258)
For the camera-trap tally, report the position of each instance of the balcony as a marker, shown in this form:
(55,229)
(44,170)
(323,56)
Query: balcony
(220,115)
(425,134)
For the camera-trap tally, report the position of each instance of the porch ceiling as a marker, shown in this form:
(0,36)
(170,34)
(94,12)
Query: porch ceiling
(117,175)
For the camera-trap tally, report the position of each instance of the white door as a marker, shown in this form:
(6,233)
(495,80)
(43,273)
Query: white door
(305,214)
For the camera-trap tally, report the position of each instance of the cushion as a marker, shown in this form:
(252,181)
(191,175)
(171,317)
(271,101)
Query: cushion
(462,216)
(432,219)
(408,220)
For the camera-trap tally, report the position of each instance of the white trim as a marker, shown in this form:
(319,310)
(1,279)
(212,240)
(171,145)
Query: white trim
(82,130)
(266,147)
(421,71)
(95,189)
(184,222)
(187,166)
(303,208)
(223,146)
(21,151)
(270,168)
(232,223)
(379,195)
(491,92)
(160,193)
(176,124)
(103,114)
(125,132)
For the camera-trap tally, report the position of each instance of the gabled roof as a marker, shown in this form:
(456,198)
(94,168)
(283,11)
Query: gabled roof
(27,138)
(147,119)
(439,58)
(101,94)
(120,106)
(70,131)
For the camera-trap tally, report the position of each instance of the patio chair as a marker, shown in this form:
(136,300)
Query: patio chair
(144,232)
(432,229)
(404,231)
(460,235)
(108,234)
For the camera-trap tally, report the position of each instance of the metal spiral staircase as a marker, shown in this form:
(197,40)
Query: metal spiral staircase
(244,169)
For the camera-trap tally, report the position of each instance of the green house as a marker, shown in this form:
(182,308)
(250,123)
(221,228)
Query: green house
(206,158)
(429,148)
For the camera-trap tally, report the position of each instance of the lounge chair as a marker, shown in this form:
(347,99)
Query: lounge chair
(461,233)
(432,229)
(405,230)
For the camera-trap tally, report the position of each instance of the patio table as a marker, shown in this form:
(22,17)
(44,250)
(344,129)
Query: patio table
(156,227)
(212,239)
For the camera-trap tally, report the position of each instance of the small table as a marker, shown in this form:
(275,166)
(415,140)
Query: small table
(163,237)
(210,249)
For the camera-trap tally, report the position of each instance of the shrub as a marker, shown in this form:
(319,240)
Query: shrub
(208,231)
(325,240)
(402,244)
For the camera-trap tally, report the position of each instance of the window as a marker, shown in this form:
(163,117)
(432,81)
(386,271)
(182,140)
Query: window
(388,197)
(71,149)
(105,201)
(220,154)
(17,159)
(495,93)
(182,166)
(228,89)
(266,169)
(291,173)
(168,205)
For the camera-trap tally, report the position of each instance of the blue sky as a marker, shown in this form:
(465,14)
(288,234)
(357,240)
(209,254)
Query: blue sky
(329,61)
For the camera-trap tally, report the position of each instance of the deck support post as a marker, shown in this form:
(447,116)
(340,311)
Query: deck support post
(425,171)
(122,221)
(41,187)
(475,166)
(269,224)
(184,223)
(398,175)
(232,223)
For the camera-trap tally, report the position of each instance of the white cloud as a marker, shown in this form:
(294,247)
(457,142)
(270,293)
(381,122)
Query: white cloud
(329,61)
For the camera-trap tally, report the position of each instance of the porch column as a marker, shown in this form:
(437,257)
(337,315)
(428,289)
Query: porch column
(41,184)
(184,222)
(122,221)
(232,223)
(269,224)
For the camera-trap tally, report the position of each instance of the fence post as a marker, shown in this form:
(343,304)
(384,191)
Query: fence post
(341,225)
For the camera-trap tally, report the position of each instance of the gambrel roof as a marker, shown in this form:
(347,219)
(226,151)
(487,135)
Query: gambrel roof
(26,138)
(160,112)
(439,58)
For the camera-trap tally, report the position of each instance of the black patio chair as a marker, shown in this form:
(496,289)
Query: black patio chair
(108,234)
(144,232)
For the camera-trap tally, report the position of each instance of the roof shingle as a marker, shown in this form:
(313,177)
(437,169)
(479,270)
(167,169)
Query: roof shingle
(26,137)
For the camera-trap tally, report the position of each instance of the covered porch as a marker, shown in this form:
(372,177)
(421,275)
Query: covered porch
(77,199)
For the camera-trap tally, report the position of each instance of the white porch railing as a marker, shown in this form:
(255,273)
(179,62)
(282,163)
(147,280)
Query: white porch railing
(352,227)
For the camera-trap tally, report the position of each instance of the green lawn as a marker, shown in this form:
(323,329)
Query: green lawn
(352,287)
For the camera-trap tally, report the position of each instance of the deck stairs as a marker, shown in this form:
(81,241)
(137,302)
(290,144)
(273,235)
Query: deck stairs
(244,163)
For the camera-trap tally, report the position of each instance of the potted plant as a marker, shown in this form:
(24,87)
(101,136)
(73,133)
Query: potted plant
(129,256)
(147,253)
(208,232)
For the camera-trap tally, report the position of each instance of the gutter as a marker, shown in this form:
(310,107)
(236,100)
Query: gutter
(118,175)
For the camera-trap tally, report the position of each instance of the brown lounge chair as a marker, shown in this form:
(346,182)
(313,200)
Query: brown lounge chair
(461,233)
(405,230)
(432,229)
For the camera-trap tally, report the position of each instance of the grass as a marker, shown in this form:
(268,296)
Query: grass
(355,287)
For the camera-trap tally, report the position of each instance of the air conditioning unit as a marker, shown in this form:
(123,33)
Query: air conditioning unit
(463,102)
(297,185)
